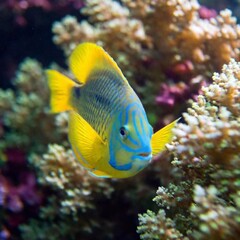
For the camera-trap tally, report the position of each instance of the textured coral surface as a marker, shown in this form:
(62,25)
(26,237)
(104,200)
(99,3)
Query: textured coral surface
(204,203)
(169,51)
(175,42)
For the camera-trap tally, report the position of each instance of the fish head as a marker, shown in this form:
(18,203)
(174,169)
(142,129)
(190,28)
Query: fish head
(130,144)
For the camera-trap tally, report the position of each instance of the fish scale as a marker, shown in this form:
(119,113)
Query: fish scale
(108,87)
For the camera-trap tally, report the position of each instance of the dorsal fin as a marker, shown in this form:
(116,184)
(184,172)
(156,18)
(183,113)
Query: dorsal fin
(87,57)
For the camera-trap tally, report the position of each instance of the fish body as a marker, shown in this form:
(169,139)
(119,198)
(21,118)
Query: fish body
(108,128)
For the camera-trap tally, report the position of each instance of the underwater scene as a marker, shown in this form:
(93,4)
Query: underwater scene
(119,120)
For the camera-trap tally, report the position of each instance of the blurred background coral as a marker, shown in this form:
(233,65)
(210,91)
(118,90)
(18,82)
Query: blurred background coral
(182,58)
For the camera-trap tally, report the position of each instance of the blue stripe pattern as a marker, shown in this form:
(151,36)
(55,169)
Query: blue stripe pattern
(107,103)
(135,121)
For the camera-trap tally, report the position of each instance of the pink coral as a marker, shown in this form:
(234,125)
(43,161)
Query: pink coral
(182,68)
(206,13)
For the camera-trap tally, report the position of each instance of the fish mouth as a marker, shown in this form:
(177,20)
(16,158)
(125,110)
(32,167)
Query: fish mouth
(146,156)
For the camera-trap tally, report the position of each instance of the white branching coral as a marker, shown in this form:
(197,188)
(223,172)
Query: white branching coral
(212,129)
(202,201)
(157,226)
(78,190)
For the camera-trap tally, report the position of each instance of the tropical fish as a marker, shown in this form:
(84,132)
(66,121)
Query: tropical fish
(108,128)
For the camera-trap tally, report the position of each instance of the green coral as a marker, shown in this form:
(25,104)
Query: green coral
(217,218)
(157,226)
(24,111)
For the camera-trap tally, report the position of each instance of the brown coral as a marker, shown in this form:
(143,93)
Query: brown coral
(154,41)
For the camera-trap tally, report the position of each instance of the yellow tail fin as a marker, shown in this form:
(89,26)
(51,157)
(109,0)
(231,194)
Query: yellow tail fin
(162,137)
(60,87)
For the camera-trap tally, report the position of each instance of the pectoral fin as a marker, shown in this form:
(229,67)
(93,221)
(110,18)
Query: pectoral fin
(87,145)
(162,137)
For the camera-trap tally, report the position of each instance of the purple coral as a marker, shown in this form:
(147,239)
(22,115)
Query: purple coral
(18,8)
(18,191)
(170,94)
(185,86)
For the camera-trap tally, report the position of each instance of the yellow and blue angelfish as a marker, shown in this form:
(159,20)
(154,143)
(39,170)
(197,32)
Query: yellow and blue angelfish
(108,128)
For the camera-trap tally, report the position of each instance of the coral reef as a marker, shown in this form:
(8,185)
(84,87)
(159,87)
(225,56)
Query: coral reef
(177,41)
(213,121)
(204,201)
(77,204)
(157,226)
(60,170)
(218,5)
(75,197)
(24,112)
(168,51)
(25,128)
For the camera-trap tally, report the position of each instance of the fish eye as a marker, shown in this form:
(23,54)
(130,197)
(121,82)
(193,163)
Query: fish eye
(123,132)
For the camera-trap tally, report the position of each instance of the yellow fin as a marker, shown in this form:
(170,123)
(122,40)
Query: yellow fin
(100,174)
(60,87)
(87,57)
(87,145)
(162,137)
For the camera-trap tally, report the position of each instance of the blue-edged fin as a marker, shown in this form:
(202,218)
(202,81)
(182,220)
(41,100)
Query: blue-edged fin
(97,173)
(88,57)
(162,137)
(60,87)
(87,145)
